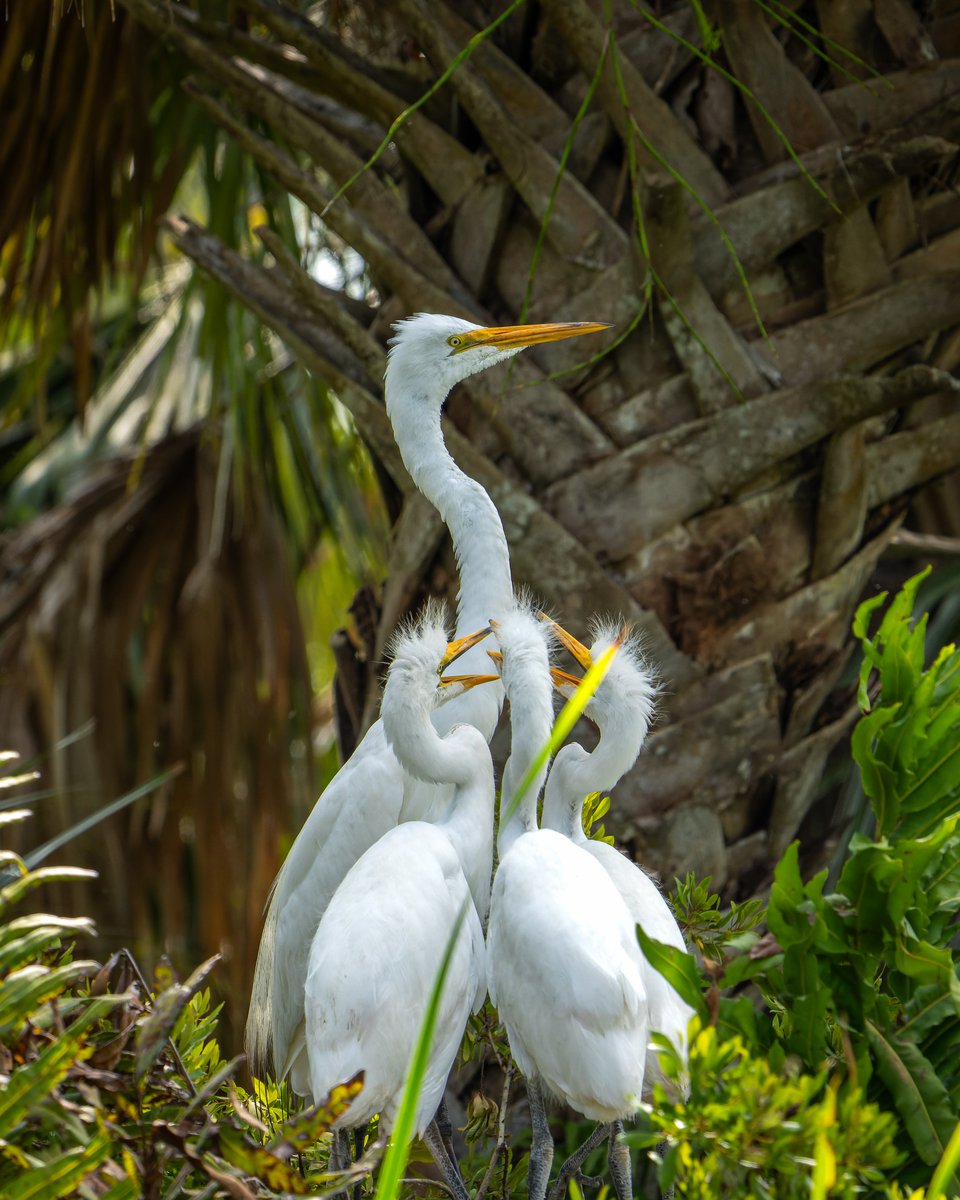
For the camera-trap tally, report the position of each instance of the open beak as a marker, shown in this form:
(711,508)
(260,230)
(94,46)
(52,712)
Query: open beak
(460,646)
(467,681)
(577,649)
(516,337)
(562,679)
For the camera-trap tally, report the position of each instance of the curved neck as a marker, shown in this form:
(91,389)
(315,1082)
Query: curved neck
(531,720)
(420,749)
(569,784)
(479,543)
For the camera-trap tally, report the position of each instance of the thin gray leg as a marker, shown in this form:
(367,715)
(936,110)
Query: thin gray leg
(359,1138)
(433,1140)
(445,1126)
(573,1164)
(662,1148)
(341,1156)
(541,1148)
(619,1160)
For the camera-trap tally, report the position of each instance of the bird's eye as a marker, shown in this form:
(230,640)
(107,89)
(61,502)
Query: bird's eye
(454,341)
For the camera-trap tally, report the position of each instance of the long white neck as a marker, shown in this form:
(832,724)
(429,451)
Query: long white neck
(571,781)
(531,720)
(479,543)
(462,759)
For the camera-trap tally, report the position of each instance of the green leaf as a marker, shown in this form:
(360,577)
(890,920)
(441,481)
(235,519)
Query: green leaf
(742,968)
(60,1176)
(946,1173)
(920,1097)
(808,1031)
(254,1160)
(879,780)
(155,1030)
(25,990)
(32,1084)
(788,914)
(678,968)
(929,1006)
(920,960)
(303,1128)
(28,1086)
(15,891)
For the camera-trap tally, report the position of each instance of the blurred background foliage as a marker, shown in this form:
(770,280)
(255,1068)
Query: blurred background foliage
(189,510)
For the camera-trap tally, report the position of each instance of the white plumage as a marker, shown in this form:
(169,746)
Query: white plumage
(563,965)
(622,709)
(379,945)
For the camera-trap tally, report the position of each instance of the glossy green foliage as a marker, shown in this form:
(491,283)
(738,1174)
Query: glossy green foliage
(762,1128)
(867,972)
(595,808)
(858,981)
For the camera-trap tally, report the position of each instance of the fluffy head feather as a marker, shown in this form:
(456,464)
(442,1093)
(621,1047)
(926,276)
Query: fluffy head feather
(630,686)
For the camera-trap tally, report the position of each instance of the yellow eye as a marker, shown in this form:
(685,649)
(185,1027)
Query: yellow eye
(454,341)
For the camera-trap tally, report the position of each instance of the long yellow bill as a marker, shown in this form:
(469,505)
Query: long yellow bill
(516,337)
(562,679)
(577,649)
(467,681)
(460,646)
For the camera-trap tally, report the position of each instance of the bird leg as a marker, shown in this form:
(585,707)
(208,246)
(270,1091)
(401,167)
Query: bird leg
(359,1140)
(618,1158)
(445,1128)
(341,1156)
(541,1147)
(662,1148)
(573,1164)
(448,1167)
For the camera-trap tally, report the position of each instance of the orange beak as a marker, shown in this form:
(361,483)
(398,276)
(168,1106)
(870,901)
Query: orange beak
(460,646)
(577,649)
(516,337)
(467,681)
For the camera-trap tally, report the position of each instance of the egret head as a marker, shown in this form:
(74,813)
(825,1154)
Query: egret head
(421,654)
(523,658)
(445,350)
(627,693)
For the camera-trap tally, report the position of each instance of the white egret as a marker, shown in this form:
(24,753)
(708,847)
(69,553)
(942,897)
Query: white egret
(371,793)
(377,950)
(621,708)
(563,965)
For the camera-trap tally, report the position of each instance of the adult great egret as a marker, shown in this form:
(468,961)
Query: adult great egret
(563,965)
(378,948)
(621,708)
(371,793)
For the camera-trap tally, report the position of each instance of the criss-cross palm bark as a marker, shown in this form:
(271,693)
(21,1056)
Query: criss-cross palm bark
(729,493)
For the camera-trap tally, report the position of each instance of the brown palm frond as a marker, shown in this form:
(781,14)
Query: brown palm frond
(179,636)
(85,175)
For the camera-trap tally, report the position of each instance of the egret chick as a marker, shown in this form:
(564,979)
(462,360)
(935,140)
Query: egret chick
(378,948)
(621,708)
(563,964)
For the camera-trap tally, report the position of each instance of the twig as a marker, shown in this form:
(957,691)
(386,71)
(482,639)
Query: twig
(500,1147)
(132,962)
